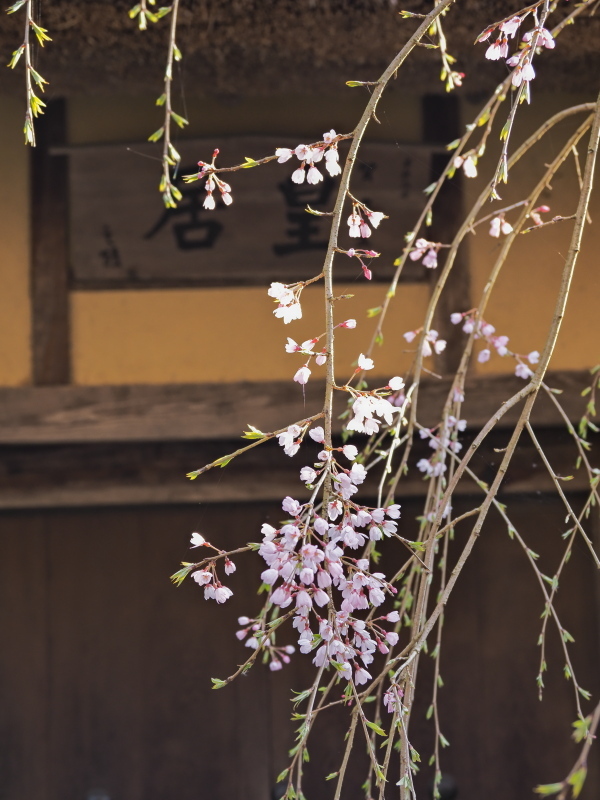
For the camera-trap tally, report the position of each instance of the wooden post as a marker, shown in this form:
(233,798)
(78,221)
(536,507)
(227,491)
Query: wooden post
(49,250)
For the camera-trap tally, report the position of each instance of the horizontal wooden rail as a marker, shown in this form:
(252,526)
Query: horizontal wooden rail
(191,412)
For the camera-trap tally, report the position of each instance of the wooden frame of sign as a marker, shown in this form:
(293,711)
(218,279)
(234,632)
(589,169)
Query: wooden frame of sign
(122,237)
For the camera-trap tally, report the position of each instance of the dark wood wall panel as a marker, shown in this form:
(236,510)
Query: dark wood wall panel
(106,667)
(24,614)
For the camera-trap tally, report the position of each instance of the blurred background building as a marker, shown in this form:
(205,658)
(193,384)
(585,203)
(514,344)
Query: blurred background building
(137,344)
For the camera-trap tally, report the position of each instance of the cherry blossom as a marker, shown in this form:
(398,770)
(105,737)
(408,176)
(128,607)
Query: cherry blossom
(308,475)
(302,375)
(350,451)
(317,434)
(365,363)
(197,540)
(426,250)
(289,440)
(283,154)
(523,371)
(358,226)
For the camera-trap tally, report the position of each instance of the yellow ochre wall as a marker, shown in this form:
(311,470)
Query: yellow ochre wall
(153,336)
(15,350)
(230,335)
(523,302)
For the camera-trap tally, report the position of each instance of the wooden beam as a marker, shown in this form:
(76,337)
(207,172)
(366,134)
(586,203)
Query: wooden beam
(153,473)
(49,255)
(185,412)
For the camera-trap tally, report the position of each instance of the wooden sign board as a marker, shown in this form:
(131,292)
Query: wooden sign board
(121,235)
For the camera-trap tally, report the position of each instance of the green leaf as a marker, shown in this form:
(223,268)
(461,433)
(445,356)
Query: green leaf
(218,683)
(282,775)
(577,780)
(429,189)
(16,6)
(176,53)
(250,162)
(375,727)
(312,211)
(154,137)
(548,789)
(352,84)
(331,776)
(181,121)
(374,312)
(41,33)
(38,78)
(253,433)
(181,574)
(36,105)
(16,56)
(160,101)
(453,145)
(133,12)
(428,218)
(483,118)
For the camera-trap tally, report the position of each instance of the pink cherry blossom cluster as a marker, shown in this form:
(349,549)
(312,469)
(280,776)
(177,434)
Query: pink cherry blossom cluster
(309,155)
(484,330)
(441,438)
(288,299)
(426,250)
(213,182)
(307,558)
(276,656)
(306,348)
(522,59)
(431,342)
(207,577)
(360,218)
(368,405)
(360,254)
